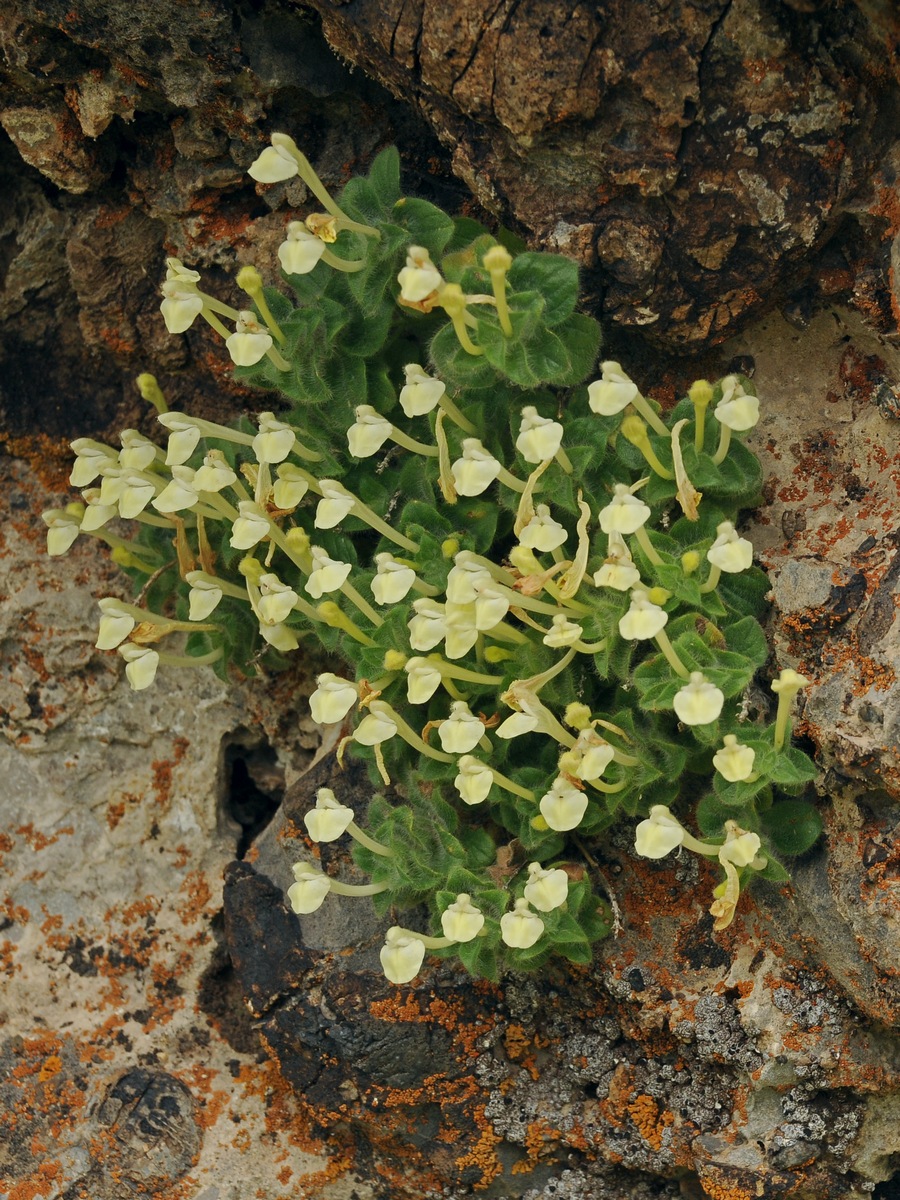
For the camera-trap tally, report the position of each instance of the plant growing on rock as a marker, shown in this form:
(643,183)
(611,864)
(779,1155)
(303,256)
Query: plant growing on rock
(546,614)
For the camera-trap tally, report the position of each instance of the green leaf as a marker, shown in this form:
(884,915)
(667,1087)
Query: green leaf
(551,275)
(455,366)
(792,825)
(384,176)
(426,224)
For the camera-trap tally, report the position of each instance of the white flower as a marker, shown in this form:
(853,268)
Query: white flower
(739,849)
(277,600)
(643,620)
(729,552)
(376,727)
(659,834)
(517,724)
(251,526)
(184,435)
(428,626)
(461,921)
(275,439)
(96,514)
(698,702)
(329,819)
(546,890)
(280,636)
(618,571)
(332,699)
(522,927)
(625,513)
(112,484)
(491,607)
(467,576)
(421,392)
(420,277)
(392,581)
(179,493)
(734,761)
(249,342)
(461,731)
(290,486)
(215,473)
(462,632)
(181,303)
(62,530)
(300,250)
(204,596)
(309,890)
(276,163)
(476,470)
(335,504)
(542,533)
(563,806)
(401,955)
(613,392)
(539,437)
(369,433)
(136,493)
(562,632)
(596,755)
(474,780)
(422,680)
(115,624)
(327,574)
(137,452)
(738,410)
(91,458)
(140,665)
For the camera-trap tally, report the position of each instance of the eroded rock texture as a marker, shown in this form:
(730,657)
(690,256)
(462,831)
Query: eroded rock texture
(695,155)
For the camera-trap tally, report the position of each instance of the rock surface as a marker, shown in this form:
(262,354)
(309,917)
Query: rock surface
(129,1069)
(761,1061)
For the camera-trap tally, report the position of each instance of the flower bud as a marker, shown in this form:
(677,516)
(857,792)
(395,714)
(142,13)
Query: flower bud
(462,921)
(328,820)
(577,715)
(546,890)
(789,682)
(521,928)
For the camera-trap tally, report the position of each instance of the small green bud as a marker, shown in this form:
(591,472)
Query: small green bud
(496,654)
(297,540)
(251,569)
(151,392)
(75,509)
(700,392)
(577,716)
(498,258)
(450,547)
(539,824)
(658,595)
(249,280)
(690,561)
(634,429)
(394,660)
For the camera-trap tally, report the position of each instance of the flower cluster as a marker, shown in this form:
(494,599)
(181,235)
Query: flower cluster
(533,576)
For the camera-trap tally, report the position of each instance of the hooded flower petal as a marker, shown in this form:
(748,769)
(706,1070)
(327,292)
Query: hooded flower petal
(461,731)
(328,820)
(564,806)
(734,761)
(539,437)
(332,699)
(521,928)
(421,392)
(474,780)
(625,513)
(698,702)
(275,439)
(546,890)
(300,250)
(612,393)
(461,921)
(729,552)
(401,955)
(659,834)
(309,890)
